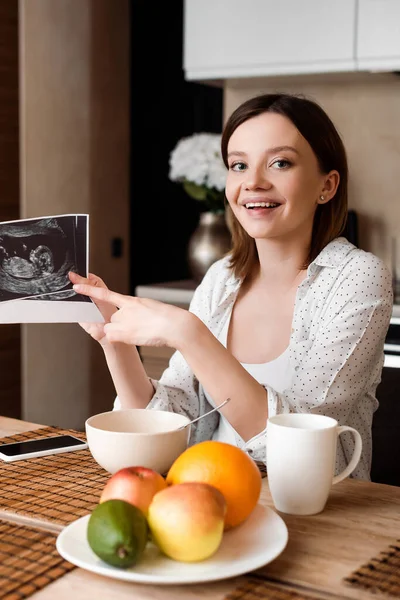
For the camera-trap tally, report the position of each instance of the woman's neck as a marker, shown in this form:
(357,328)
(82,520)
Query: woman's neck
(280,263)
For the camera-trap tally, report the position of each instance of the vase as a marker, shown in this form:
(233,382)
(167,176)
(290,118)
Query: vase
(209,242)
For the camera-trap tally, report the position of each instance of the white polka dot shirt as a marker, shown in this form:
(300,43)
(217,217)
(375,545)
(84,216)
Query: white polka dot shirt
(341,317)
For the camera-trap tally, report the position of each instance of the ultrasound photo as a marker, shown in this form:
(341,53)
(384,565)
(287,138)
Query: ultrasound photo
(37,254)
(35,258)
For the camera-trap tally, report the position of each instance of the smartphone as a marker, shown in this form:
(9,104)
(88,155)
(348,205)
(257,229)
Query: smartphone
(40,447)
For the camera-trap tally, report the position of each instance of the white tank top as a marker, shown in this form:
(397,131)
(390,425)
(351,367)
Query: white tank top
(275,373)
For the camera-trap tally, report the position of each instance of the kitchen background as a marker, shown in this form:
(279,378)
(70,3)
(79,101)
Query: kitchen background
(94,95)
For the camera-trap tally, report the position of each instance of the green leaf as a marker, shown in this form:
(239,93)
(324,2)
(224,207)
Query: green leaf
(195,191)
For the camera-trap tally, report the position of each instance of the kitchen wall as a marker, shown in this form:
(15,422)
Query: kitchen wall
(366,110)
(74,157)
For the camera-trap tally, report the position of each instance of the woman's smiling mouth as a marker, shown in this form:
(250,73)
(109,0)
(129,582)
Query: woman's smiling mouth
(251,205)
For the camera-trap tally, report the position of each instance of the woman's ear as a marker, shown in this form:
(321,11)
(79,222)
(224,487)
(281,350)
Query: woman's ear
(330,186)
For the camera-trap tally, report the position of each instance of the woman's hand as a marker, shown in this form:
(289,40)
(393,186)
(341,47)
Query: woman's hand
(139,321)
(96,330)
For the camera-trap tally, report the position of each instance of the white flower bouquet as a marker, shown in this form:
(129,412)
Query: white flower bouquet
(196,162)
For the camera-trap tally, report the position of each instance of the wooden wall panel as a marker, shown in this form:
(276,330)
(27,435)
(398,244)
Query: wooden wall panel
(10,361)
(74,65)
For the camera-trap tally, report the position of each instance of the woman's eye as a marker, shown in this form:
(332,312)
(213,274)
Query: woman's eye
(281,163)
(238,166)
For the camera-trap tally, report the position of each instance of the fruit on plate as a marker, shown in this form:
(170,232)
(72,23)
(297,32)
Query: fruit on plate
(117,532)
(226,467)
(187,521)
(136,485)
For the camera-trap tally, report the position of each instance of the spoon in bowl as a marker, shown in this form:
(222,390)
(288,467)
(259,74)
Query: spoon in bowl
(205,414)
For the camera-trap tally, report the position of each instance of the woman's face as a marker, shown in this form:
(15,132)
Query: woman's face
(274,183)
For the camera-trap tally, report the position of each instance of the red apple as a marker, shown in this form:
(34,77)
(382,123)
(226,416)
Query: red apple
(136,485)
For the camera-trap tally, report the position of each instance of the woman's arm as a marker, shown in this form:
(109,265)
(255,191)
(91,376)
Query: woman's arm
(141,321)
(131,383)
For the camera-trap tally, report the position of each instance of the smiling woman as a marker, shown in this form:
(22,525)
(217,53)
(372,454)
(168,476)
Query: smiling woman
(305,165)
(292,320)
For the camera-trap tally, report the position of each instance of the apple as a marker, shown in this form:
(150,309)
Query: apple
(186,520)
(136,485)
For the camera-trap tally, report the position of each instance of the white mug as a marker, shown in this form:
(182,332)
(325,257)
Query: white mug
(301,455)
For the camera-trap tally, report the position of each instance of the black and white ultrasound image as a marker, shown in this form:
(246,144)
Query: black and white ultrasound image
(37,254)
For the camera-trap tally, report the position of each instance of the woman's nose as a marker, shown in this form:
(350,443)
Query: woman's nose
(255,179)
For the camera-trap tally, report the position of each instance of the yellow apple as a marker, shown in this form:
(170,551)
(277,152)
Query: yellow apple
(136,485)
(186,520)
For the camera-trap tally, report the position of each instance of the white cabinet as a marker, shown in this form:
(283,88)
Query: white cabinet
(235,38)
(378,35)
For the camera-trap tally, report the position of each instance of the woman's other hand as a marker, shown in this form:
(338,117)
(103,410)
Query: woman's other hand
(139,321)
(96,330)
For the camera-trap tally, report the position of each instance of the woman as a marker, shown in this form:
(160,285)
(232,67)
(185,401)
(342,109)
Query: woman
(293,320)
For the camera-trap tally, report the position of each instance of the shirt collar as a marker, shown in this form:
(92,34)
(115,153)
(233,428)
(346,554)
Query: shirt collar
(333,254)
(232,285)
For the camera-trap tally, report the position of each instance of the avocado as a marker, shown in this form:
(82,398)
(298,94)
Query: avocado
(117,532)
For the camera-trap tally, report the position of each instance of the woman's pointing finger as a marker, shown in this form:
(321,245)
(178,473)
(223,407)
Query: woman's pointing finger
(101,294)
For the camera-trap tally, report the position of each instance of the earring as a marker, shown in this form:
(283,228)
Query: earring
(322,198)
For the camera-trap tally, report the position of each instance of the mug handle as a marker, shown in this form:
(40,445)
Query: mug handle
(356,454)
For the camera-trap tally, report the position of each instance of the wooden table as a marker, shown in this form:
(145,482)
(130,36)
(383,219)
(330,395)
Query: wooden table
(360,520)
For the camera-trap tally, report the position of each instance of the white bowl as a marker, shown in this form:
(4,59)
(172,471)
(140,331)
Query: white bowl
(136,437)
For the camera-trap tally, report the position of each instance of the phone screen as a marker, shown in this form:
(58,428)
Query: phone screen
(40,445)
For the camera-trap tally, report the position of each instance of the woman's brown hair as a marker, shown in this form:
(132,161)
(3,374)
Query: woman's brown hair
(319,131)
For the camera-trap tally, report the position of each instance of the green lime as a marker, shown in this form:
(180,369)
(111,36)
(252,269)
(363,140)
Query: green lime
(117,533)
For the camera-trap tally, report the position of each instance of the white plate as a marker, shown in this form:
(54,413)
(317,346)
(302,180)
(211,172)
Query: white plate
(254,543)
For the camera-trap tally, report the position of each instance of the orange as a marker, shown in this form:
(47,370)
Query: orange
(227,468)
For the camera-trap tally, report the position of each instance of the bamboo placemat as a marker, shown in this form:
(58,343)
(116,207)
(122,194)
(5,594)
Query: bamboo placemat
(28,560)
(380,574)
(262,468)
(58,488)
(260,589)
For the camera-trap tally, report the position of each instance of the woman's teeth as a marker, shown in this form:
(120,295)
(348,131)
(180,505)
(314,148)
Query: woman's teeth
(261,205)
